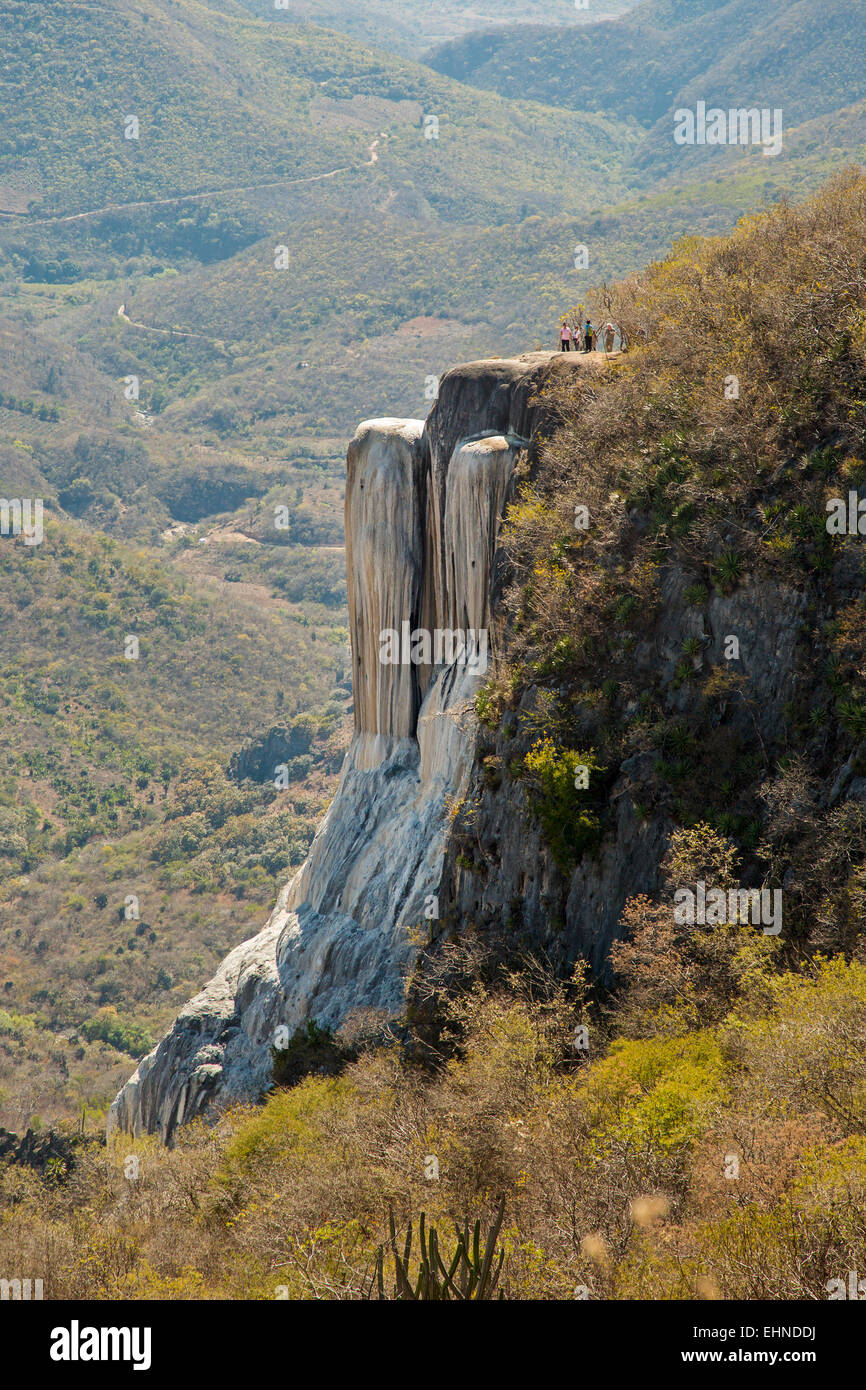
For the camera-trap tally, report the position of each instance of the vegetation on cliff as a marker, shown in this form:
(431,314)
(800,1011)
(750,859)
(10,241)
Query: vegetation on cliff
(698,1129)
(728,1160)
(707,458)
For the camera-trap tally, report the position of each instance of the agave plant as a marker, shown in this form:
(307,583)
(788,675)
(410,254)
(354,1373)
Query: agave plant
(852,717)
(472,1273)
(728,568)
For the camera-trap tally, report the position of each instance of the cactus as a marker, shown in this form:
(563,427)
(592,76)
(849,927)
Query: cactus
(471,1273)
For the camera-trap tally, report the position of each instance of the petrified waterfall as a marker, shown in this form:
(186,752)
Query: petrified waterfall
(424,502)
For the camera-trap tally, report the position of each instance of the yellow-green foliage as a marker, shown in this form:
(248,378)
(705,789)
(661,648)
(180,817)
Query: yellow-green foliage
(558,800)
(654,1092)
(290,1126)
(808,1052)
(613,1167)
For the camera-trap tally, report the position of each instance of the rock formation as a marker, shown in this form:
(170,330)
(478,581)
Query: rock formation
(424,501)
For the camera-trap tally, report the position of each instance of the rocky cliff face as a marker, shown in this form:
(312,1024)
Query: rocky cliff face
(424,501)
(500,878)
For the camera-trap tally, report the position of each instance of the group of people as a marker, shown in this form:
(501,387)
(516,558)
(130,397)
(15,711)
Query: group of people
(585,339)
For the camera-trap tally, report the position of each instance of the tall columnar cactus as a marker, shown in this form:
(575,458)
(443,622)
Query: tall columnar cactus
(471,1274)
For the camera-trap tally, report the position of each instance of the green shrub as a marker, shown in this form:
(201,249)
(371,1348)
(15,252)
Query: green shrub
(108,1027)
(553,775)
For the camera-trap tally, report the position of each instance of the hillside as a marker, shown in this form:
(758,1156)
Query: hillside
(706,460)
(405,254)
(687,1125)
(114,783)
(188,75)
(191,77)
(667,54)
(410,27)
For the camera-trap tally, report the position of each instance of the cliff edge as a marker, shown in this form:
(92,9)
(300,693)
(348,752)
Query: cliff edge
(424,503)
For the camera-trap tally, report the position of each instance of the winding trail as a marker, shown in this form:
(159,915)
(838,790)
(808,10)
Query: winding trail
(373,151)
(167,332)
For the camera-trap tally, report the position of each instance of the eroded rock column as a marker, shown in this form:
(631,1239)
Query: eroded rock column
(385,510)
(475,494)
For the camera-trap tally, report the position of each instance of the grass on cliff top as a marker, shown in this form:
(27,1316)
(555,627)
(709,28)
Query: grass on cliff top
(747,358)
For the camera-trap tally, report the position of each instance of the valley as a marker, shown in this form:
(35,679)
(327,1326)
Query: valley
(282,250)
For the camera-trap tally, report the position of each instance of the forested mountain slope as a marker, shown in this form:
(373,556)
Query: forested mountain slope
(789,54)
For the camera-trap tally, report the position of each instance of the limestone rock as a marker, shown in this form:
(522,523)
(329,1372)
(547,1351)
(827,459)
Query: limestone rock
(423,506)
